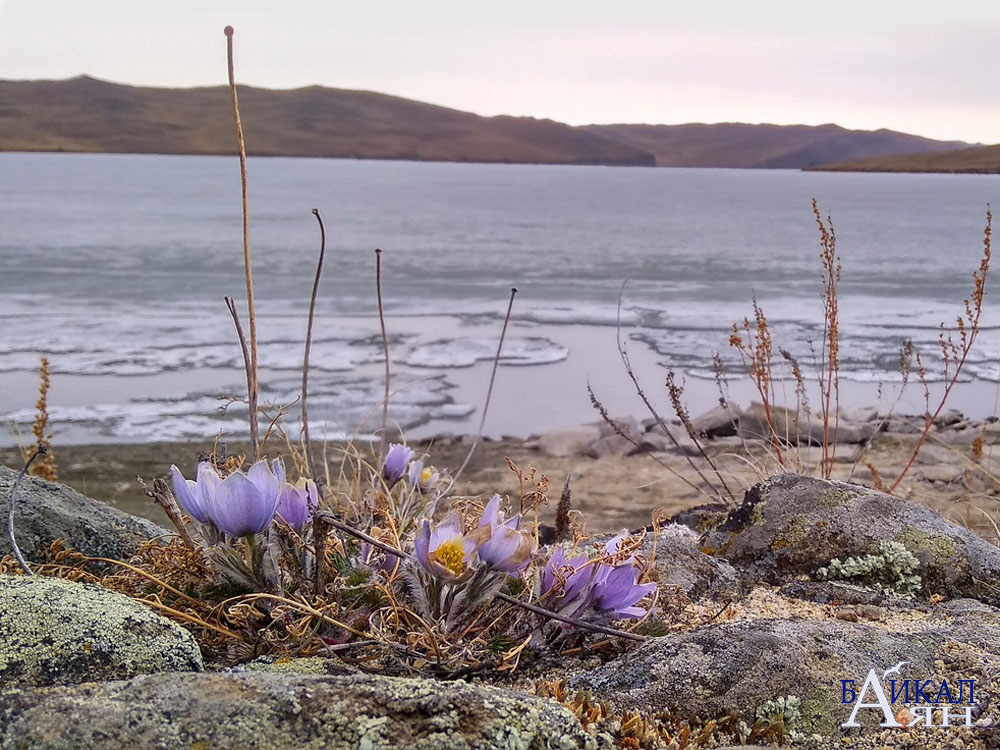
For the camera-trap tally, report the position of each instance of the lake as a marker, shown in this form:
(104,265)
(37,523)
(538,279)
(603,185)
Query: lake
(115,266)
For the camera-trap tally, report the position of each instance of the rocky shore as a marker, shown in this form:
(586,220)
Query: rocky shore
(617,481)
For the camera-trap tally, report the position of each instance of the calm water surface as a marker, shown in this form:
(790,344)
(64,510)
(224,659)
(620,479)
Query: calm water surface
(115,268)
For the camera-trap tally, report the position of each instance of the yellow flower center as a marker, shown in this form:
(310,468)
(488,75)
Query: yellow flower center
(425,476)
(451,555)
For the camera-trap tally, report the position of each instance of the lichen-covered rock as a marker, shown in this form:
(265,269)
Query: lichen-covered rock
(791,525)
(679,562)
(263,711)
(740,667)
(46,511)
(56,632)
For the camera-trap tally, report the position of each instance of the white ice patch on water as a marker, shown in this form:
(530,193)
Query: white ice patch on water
(126,342)
(465,352)
(338,406)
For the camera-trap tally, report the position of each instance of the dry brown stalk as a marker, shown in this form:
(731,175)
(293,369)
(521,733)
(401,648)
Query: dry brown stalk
(955,354)
(247,266)
(755,353)
(46,468)
(830,355)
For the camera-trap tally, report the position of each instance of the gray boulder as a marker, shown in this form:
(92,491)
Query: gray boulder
(565,443)
(611,440)
(46,511)
(739,667)
(719,421)
(791,525)
(798,428)
(270,711)
(679,562)
(57,632)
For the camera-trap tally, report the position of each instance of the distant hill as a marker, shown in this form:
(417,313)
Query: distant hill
(765,146)
(982,159)
(88,115)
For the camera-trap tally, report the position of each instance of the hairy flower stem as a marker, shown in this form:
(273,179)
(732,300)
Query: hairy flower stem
(41,450)
(247,267)
(305,356)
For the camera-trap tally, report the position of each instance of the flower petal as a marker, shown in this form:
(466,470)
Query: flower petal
(239,507)
(615,542)
(491,512)
(422,544)
(449,528)
(293,506)
(278,469)
(186,492)
(263,478)
(619,589)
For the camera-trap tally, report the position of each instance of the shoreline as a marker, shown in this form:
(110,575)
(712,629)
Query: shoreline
(614,484)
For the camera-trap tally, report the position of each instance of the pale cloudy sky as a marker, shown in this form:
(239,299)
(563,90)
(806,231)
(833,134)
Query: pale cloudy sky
(926,68)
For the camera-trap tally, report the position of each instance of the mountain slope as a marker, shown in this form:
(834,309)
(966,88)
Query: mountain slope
(764,146)
(88,115)
(85,114)
(982,159)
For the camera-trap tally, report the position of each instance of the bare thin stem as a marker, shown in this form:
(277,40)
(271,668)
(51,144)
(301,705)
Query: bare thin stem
(41,450)
(309,330)
(489,391)
(248,366)
(385,351)
(661,423)
(247,267)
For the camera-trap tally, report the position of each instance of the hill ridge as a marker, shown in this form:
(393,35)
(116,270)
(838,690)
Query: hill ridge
(89,114)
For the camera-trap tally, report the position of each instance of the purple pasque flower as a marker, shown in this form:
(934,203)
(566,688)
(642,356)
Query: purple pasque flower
(297,501)
(616,591)
(396,459)
(565,580)
(187,493)
(423,478)
(593,587)
(443,550)
(506,548)
(242,503)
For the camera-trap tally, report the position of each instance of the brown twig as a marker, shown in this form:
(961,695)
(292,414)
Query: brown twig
(305,356)
(162,496)
(247,268)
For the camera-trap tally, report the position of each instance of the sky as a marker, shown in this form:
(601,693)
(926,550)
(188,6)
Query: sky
(925,68)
